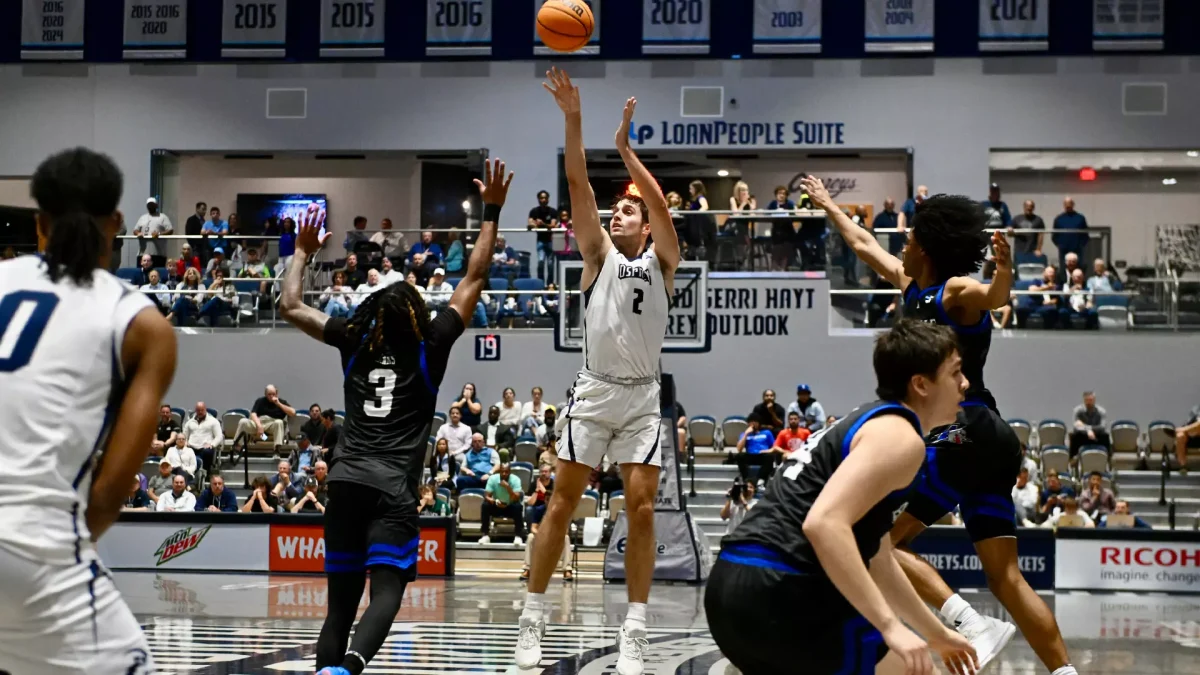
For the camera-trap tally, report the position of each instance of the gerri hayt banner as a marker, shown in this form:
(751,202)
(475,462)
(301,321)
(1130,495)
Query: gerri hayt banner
(899,25)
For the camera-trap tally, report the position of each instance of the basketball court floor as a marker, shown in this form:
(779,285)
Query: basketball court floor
(218,624)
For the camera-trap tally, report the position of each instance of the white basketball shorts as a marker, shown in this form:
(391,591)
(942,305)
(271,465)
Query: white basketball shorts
(66,619)
(602,418)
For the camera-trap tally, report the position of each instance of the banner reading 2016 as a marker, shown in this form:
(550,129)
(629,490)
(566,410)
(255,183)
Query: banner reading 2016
(899,25)
(352,29)
(458,28)
(1127,25)
(254,29)
(787,26)
(52,29)
(676,26)
(1014,25)
(155,29)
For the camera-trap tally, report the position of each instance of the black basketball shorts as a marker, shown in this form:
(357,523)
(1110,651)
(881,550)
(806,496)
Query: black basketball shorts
(365,527)
(770,619)
(973,463)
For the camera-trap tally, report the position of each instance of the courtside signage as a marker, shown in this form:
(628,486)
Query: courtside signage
(301,548)
(1128,565)
(176,546)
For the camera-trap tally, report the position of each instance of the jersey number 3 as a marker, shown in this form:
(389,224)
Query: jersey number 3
(385,384)
(23,319)
(638,296)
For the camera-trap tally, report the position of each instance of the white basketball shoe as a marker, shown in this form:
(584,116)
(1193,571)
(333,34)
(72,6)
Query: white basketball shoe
(529,642)
(631,644)
(988,636)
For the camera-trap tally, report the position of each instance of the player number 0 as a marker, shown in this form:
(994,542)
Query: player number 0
(385,384)
(23,318)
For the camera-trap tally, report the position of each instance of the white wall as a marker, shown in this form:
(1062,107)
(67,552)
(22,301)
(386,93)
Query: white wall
(14,191)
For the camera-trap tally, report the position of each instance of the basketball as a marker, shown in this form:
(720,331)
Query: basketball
(565,25)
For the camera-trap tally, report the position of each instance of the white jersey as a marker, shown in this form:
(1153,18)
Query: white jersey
(61,383)
(625,317)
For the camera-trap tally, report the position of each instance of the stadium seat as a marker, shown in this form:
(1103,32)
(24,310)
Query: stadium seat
(703,432)
(1092,458)
(1160,437)
(731,431)
(494,302)
(1113,311)
(589,506)
(1030,271)
(1051,432)
(444,493)
(470,511)
(616,504)
(295,425)
(179,416)
(129,274)
(526,452)
(524,472)
(1022,429)
(1056,458)
(454,281)
(229,421)
(339,417)
(524,299)
(1124,435)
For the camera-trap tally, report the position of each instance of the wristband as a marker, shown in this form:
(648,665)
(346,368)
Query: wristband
(491,213)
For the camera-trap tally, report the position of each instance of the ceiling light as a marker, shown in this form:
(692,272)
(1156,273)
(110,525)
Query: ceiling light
(1169,181)
(466,205)
(1193,153)
(723,173)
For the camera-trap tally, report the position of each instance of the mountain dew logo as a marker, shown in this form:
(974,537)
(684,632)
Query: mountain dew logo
(179,543)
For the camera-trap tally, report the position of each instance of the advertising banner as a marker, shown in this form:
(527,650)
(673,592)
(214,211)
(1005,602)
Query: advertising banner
(179,546)
(301,548)
(676,26)
(682,550)
(254,29)
(1129,565)
(899,25)
(1127,25)
(155,29)
(787,26)
(1014,25)
(52,29)
(950,551)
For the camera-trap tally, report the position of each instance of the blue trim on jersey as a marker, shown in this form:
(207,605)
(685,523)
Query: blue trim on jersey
(973,403)
(402,557)
(861,643)
(116,394)
(934,487)
(985,321)
(905,412)
(425,369)
(654,449)
(95,568)
(75,529)
(754,555)
(570,437)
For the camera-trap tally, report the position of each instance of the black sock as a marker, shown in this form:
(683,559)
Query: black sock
(387,592)
(345,592)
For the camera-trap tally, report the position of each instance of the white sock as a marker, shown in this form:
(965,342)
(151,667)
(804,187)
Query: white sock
(1066,670)
(535,606)
(636,617)
(957,611)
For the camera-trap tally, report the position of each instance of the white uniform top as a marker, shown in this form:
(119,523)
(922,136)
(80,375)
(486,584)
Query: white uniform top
(61,383)
(625,318)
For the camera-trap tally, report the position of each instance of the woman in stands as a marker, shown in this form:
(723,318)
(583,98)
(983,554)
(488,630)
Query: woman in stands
(335,301)
(469,405)
(222,298)
(187,305)
(807,582)
(394,358)
(261,499)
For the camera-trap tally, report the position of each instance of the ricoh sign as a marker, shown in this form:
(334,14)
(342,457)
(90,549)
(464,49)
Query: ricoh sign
(1127,565)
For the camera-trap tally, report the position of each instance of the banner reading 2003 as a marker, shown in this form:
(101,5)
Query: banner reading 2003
(787,26)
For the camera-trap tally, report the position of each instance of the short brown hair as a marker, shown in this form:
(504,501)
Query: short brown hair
(641,204)
(909,349)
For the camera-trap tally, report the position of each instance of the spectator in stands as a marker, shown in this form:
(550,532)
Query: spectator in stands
(1065,274)
(145,267)
(831,420)
(1025,498)
(152,225)
(510,408)
(792,438)
(336,299)
(1102,281)
(1053,494)
(216,498)
(178,499)
(356,236)
(495,433)
(432,504)
(543,219)
(313,427)
(812,413)
(544,433)
(255,268)
(305,456)
(1187,436)
(502,498)
(391,242)
(437,296)
(468,403)
(411,280)
(160,483)
(221,299)
(261,499)
(333,430)
(204,435)
(374,283)
(738,502)
(888,219)
(168,430)
(138,499)
(539,497)
(456,434)
(1090,425)
(910,206)
(217,263)
(1096,499)
(355,275)
(770,414)
(504,259)
(1122,509)
(533,411)
(995,210)
(1069,242)
(1028,244)
(310,499)
(478,465)
(424,256)
(283,483)
(1081,307)
(182,458)
(1070,507)
(756,447)
(456,253)
(187,260)
(681,428)
(193,227)
(388,273)
(287,246)
(268,419)
(1047,304)
(321,474)
(443,466)
(547,456)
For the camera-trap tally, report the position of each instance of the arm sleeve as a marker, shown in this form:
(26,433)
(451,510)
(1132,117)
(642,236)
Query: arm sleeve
(335,332)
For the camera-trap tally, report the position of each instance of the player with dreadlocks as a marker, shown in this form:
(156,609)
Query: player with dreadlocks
(975,461)
(394,359)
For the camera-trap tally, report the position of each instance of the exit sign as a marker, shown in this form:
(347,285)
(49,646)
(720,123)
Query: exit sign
(487,347)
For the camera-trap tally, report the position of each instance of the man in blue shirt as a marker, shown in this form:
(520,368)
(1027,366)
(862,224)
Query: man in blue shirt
(910,206)
(505,260)
(1069,242)
(478,464)
(756,447)
(888,219)
(216,498)
(996,210)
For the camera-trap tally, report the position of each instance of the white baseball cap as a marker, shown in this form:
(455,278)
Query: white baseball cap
(439,272)
(151,200)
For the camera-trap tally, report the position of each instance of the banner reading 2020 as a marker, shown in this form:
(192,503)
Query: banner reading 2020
(787,26)
(899,25)
(352,29)
(458,28)
(155,29)
(1127,25)
(676,26)
(52,29)
(1014,25)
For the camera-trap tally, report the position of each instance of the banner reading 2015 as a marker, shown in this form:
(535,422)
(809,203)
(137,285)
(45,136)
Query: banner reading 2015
(52,29)
(155,29)
(254,29)
(352,29)
(899,25)
(1014,25)
(458,28)
(676,26)
(787,26)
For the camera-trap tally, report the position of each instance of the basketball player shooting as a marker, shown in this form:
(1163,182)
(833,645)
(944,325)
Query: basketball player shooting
(614,404)
(976,460)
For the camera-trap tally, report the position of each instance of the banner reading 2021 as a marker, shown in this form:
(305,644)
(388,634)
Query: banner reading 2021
(155,29)
(899,25)
(52,29)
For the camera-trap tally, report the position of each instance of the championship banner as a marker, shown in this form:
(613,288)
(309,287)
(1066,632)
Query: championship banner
(254,30)
(899,25)
(52,30)
(1127,25)
(787,26)
(201,546)
(352,29)
(676,26)
(1014,25)
(1128,565)
(950,551)
(591,49)
(458,28)
(681,551)
(155,29)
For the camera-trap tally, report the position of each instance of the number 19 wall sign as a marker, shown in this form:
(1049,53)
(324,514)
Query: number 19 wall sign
(155,29)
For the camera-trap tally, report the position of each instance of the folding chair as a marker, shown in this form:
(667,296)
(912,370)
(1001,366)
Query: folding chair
(1056,458)
(526,452)
(1022,429)
(524,472)
(731,431)
(1124,435)
(702,431)
(470,511)
(1052,432)
(1092,458)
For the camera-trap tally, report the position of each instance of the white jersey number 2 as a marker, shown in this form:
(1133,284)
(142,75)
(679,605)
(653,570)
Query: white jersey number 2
(23,318)
(385,381)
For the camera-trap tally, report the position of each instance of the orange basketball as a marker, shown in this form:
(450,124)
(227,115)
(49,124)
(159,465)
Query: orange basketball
(565,25)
